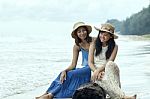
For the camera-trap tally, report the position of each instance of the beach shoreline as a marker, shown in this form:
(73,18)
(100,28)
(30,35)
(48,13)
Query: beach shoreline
(30,94)
(40,90)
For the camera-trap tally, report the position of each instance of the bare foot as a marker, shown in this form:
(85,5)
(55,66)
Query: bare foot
(47,96)
(40,96)
(37,97)
(130,97)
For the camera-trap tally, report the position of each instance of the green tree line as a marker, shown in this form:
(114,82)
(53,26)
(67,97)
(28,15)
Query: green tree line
(136,24)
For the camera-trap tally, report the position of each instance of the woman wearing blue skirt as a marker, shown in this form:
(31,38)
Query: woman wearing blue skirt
(71,78)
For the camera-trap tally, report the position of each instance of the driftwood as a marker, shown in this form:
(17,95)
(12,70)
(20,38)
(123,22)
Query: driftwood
(89,91)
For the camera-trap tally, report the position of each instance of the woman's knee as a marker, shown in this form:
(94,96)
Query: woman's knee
(112,65)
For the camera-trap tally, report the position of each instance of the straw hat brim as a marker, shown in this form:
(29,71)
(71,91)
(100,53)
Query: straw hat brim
(98,29)
(89,29)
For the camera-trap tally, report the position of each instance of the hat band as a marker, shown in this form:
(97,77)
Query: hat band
(107,30)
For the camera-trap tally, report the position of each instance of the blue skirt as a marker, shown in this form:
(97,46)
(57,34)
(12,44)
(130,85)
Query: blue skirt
(74,79)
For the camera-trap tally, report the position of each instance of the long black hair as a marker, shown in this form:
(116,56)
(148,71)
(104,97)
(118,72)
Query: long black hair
(111,44)
(78,40)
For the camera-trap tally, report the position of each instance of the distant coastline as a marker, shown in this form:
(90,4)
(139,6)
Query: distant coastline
(138,37)
(146,36)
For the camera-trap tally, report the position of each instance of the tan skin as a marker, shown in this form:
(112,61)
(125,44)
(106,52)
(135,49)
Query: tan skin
(82,34)
(99,72)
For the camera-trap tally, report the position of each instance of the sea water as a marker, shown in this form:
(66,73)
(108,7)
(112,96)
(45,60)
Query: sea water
(32,54)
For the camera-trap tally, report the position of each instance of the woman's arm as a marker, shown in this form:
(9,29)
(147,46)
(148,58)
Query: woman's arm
(114,53)
(91,56)
(112,58)
(97,71)
(73,64)
(74,59)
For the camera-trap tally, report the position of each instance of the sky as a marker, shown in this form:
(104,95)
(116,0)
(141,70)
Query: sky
(69,10)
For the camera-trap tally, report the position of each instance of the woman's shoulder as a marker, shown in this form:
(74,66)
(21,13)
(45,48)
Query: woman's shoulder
(76,47)
(93,39)
(116,45)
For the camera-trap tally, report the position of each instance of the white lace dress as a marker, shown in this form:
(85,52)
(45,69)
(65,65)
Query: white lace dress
(111,80)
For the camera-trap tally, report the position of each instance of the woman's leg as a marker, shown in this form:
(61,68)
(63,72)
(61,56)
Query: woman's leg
(111,82)
(112,73)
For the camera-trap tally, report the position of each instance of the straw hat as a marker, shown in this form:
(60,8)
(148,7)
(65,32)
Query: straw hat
(107,27)
(79,24)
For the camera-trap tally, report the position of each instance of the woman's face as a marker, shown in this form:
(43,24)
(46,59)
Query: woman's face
(82,33)
(104,36)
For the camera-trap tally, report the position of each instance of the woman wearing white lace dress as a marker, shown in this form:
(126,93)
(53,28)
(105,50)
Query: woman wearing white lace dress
(102,53)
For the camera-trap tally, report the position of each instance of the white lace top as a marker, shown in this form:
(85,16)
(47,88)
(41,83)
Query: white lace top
(100,60)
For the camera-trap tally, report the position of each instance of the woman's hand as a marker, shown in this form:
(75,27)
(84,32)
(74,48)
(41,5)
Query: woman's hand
(63,76)
(97,75)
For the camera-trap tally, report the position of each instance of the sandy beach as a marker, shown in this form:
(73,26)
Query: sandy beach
(31,94)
